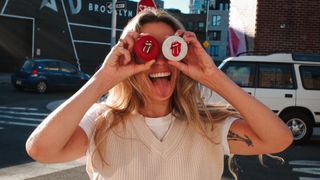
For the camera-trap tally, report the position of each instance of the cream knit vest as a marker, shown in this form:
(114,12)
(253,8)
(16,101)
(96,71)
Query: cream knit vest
(134,153)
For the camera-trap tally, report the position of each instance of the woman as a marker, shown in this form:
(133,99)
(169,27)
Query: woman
(154,124)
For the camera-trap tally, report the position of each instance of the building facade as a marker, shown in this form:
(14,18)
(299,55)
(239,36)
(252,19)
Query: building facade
(278,26)
(218,23)
(75,31)
(197,6)
(192,22)
(159,4)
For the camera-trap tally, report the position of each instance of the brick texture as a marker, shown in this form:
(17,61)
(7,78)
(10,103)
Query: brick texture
(287,26)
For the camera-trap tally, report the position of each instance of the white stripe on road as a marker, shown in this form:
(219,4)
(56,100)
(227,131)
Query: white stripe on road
(24,113)
(20,118)
(308,178)
(1,128)
(19,108)
(305,163)
(18,123)
(309,170)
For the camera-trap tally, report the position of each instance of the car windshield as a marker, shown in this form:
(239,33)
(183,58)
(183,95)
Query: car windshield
(27,66)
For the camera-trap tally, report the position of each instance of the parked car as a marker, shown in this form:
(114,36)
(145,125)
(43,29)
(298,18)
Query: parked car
(48,74)
(289,84)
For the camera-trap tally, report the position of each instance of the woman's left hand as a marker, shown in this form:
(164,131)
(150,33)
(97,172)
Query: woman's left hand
(197,64)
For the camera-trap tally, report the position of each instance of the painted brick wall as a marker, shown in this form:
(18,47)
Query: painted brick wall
(288,25)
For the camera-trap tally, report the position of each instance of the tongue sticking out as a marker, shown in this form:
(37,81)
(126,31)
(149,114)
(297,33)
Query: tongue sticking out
(162,86)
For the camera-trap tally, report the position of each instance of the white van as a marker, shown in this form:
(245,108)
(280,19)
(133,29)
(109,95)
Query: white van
(289,84)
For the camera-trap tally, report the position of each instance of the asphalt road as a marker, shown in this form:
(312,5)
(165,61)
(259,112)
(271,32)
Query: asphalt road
(20,112)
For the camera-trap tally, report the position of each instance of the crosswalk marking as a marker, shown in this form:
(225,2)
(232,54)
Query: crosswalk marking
(21,116)
(24,113)
(19,108)
(18,123)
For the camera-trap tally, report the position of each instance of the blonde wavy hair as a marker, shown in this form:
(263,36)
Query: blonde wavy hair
(128,96)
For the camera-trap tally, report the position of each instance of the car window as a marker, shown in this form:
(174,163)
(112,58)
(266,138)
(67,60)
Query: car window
(28,66)
(68,68)
(49,66)
(310,76)
(279,76)
(241,73)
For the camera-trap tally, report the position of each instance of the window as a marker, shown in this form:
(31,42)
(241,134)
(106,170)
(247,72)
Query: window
(214,50)
(277,76)
(28,66)
(190,26)
(49,66)
(68,68)
(310,76)
(221,6)
(227,7)
(216,20)
(214,35)
(201,26)
(241,73)
(212,5)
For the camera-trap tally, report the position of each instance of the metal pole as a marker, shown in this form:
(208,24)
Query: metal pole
(207,21)
(113,23)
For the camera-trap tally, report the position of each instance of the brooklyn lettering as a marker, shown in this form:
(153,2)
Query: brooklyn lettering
(103,9)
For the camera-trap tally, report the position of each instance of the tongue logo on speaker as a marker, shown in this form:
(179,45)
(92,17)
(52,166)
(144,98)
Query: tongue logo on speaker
(147,47)
(175,48)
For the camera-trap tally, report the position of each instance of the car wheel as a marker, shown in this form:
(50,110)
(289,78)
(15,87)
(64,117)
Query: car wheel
(41,87)
(300,125)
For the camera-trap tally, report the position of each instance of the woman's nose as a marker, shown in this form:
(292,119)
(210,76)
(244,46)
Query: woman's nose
(161,59)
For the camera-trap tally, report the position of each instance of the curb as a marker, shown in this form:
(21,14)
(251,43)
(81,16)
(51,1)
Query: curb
(53,105)
(35,169)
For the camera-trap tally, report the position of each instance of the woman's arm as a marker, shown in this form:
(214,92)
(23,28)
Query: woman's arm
(260,131)
(59,138)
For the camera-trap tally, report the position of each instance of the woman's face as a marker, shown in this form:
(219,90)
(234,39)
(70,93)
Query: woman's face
(161,77)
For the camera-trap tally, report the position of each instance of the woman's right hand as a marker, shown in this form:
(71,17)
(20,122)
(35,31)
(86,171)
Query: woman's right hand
(119,63)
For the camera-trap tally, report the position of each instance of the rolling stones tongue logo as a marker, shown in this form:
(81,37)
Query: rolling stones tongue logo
(175,48)
(147,47)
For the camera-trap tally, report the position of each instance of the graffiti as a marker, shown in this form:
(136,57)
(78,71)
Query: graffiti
(103,8)
(76,7)
(51,4)
(73,9)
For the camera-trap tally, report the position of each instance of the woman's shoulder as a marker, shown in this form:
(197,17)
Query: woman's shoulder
(98,108)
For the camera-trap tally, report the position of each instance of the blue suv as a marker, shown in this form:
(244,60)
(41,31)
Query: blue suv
(48,74)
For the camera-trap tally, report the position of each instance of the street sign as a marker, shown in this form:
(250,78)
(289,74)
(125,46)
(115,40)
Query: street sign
(119,5)
(205,44)
(144,4)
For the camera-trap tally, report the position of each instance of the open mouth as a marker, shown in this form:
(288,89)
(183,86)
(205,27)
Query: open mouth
(160,75)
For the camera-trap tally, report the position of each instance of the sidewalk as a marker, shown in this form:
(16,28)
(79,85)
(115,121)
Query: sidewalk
(5,78)
(37,171)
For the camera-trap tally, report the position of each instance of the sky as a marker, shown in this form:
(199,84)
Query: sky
(177,4)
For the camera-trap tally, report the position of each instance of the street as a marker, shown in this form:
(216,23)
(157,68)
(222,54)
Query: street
(21,112)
